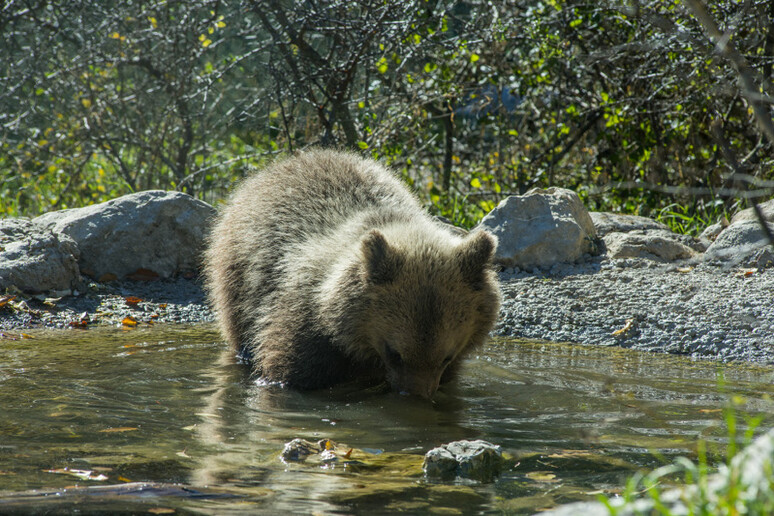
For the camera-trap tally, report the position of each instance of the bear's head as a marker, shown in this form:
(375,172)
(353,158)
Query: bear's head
(426,302)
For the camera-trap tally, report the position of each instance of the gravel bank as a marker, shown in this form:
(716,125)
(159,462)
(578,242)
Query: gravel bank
(704,310)
(161,301)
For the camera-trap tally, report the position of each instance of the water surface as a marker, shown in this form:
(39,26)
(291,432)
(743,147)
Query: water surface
(162,419)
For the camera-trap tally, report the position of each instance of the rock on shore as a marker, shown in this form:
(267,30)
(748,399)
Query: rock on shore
(158,231)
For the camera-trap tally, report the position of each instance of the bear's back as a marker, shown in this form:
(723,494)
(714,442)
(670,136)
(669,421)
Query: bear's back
(315,193)
(259,239)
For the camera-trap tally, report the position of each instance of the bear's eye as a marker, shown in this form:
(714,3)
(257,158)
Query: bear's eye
(393,357)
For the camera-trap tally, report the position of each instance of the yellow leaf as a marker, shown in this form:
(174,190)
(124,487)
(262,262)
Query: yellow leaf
(115,35)
(206,43)
(473,58)
(627,327)
(129,321)
(86,103)
(475,183)
(153,21)
(221,24)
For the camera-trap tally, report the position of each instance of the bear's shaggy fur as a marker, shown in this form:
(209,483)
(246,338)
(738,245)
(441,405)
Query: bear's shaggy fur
(325,268)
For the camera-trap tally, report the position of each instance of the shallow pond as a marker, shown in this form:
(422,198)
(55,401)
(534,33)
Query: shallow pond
(163,421)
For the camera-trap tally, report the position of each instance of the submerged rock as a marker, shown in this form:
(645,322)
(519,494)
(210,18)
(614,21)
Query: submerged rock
(154,230)
(541,228)
(477,460)
(327,454)
(35,260)
(298,450)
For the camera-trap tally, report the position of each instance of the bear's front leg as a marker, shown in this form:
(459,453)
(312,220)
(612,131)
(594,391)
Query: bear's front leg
(299,357)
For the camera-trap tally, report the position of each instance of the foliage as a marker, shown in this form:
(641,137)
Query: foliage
(632,104)
(702,495)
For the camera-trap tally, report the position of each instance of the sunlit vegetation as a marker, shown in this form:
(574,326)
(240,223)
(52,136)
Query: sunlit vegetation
(630,104)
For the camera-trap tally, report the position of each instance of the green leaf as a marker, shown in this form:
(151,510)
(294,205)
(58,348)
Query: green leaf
(474,58)
(362,145)
(381,65)
(475,183)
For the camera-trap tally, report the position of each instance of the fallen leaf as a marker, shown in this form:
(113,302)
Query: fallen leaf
(710,411)
(4,300)
(129,321)
(161,510)
(627,327)
(124,479)
(162,305)
(119,429)
(684,269)
(132,301)
(79,473)
(108,276)
(143,275)
(79,324)
(27,336)
(154,316)
(348,454)
(541,476)
(746,273)
(563,454)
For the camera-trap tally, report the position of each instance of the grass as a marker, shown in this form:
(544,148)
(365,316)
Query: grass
(692,220)
(729,489)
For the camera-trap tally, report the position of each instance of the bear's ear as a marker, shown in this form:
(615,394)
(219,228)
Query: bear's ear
(382,262)
(476,253)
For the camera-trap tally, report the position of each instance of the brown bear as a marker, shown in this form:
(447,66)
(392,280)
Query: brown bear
(325,268)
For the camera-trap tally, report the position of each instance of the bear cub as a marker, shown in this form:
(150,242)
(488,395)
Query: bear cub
(324,268)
